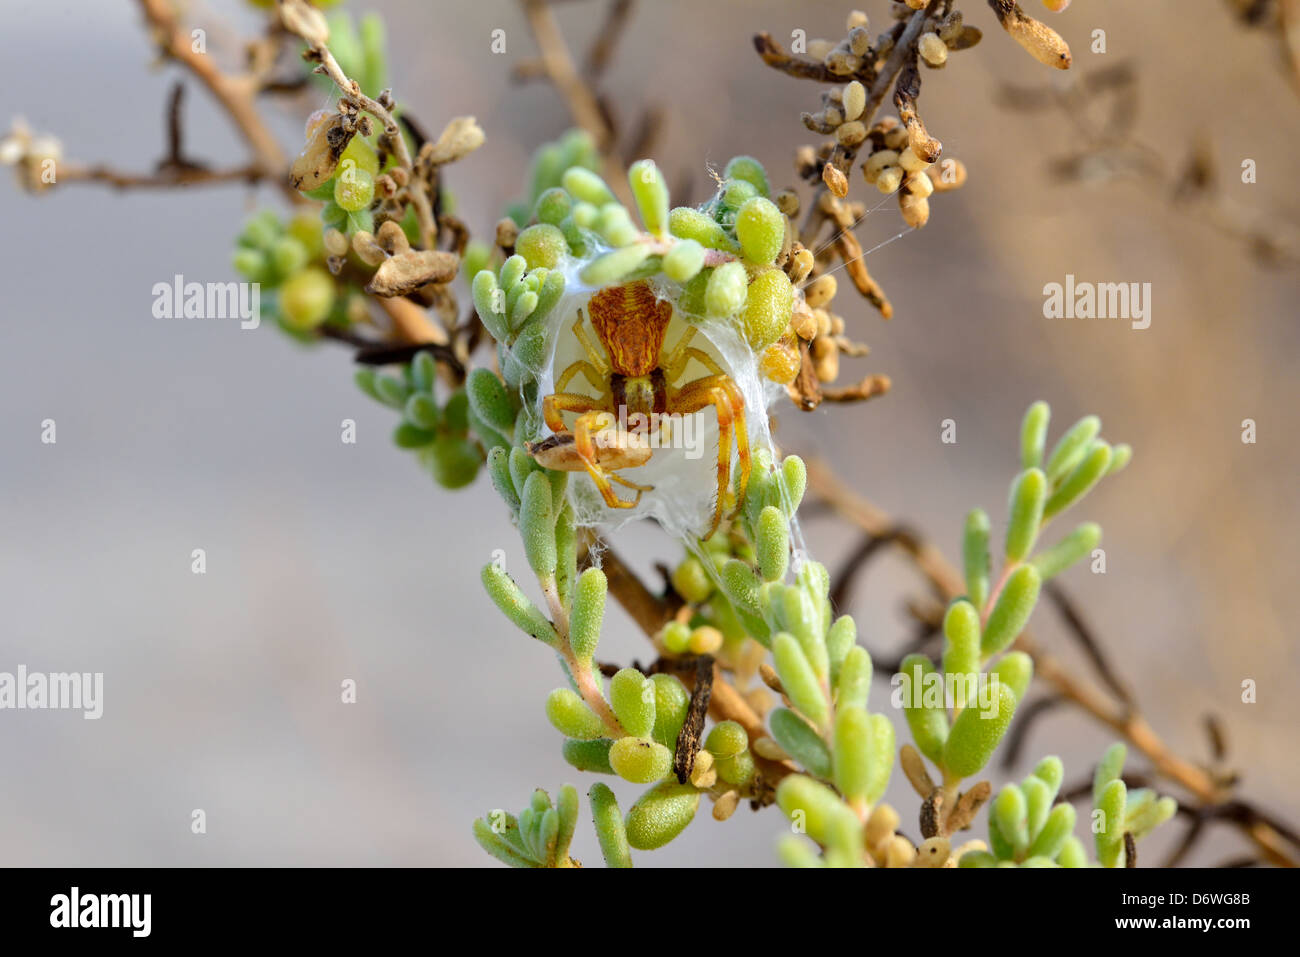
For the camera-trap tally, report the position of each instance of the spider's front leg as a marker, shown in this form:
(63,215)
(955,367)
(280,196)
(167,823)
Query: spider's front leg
(593,419)
(723,394)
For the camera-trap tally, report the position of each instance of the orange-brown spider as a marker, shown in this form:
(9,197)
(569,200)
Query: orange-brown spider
(637,381)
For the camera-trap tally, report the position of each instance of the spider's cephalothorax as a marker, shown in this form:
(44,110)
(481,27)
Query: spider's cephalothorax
(637,381)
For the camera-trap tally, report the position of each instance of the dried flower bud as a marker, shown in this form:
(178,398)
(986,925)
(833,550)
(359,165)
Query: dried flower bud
(306,21)
(801,264)
(854,99)
(859,41)
(851,134)
(843,62)
(877,162)
(780,363)
(915,209)
(918,184)
(320,154)
(458,139)
(820,291)
(726,805)
(787,201)
(932,49)
(507,233)
(803,321)
(951,27)
(1042,42)
(890,178)
(857,19)
(336,243)
(367,250)
(820,49)
(911,162)
(835,180)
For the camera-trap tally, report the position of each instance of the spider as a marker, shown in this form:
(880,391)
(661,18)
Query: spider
(637,380)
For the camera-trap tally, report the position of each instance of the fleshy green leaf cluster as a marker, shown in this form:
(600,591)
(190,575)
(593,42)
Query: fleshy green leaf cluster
(538,837)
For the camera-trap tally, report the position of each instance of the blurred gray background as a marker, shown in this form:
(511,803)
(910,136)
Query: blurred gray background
(329,561)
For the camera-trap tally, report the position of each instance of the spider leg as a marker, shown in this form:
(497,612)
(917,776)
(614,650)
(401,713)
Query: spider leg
(723,394)
(594,355)
(682,353)
(554,407)
(583,442)
(581,367)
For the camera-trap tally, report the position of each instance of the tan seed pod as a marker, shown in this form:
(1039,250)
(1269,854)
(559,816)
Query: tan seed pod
(803,321)
(914,767)
(843,62)
(458,139)
(407,271)
(932,49)
(391,238)
(859,41)
(881,825)
(787,201)
(306,21)
(877,162)
(919,184)
(705,640)
(802,262)
(336,243)
(851,134)
(899,852)
(835,180)
(367,250)
(855,100)
(837,329)
(320,154)
(823,322)
(915,209)
(507,233)
(827,366)
(890,178)
(1041,42)
(917,4)
(911,162)
(821,291)
(933,852)
(951,27)
(857,19)
(896,137)
(725,806)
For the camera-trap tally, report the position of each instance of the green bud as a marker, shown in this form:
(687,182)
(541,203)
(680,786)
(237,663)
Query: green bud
(760,228)
(614,265)
(498,846)
(548,836)
(422,412)
(768,308)
(725,293)
(853,752)
(880,756)
(976,733)
(1033,435)
(741,587)
(566,554)
(571,716)
(591,756)
(1071,448)
(1110,838)
(424,371)
(1039,862)
(615,225)
(1009,808)
(773,544)
(537,526)
(498,461)
(585,215)
(523,307)
(1015,670)
(735,194)
(799,679)
(975,552)
(692,582)
(609,826)
(751,171)
(802,742)
(1028,495)
(632,695)
(1011,611)
(489,302)
(525,356)
(588,613)
(1080,481)
(582,184)
(840,639)
(1151,815)
(961,653)
(794,479)
(549,294)
(677,637)
(1068,550)
(1120,456)
(489,399)
(1109,768)
(542,244)
(977,859)
(661,814)
(1072,853)
(651,195)
(818,811)
(687,223)
(684,260)
(1038,802)
(566,807)
(1055,832)
(1050,771)
(796,852)
(514,604)
(640,760)
(853,684)
(726,739)
(552,206)
(928,721)
(671,703)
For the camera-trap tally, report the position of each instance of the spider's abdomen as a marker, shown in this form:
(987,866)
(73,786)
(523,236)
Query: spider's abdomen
(631,323)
